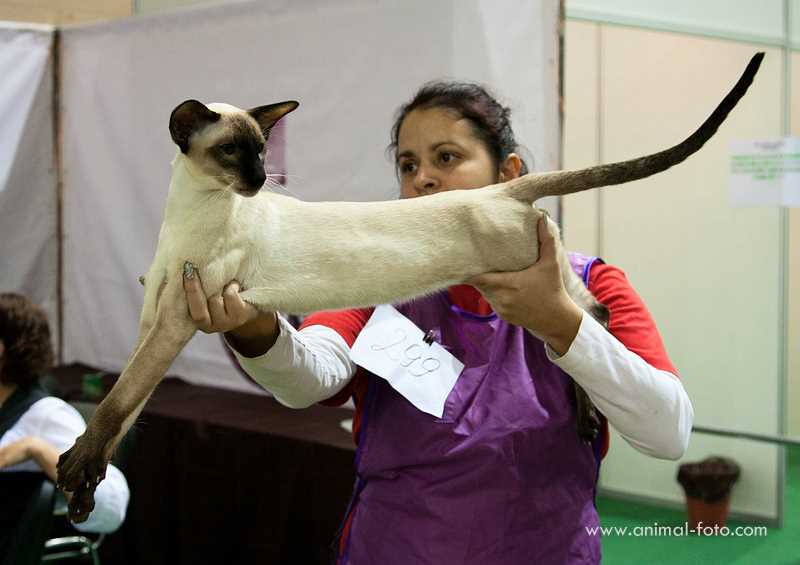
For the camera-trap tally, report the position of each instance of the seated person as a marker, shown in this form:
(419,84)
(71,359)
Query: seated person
(36,428)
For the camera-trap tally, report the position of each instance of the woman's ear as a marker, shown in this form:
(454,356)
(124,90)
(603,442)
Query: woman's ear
(510,167)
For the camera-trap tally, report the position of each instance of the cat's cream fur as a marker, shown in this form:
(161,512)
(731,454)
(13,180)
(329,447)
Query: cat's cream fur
(296,257)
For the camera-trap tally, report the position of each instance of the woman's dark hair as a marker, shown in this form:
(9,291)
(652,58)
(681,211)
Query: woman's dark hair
(26,338)
(490,120)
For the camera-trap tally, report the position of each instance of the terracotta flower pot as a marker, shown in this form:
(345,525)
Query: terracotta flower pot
(707,514)
(707,485)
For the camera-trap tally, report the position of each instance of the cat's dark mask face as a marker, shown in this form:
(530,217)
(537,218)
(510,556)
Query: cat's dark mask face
(225,143)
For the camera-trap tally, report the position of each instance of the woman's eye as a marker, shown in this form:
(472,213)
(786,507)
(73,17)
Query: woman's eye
(447,157)
(228,148)
(407,167)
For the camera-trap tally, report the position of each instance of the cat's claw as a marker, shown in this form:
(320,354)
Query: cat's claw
(81,505)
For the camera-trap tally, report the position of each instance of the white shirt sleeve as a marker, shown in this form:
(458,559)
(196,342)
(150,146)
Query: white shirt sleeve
(302,367)
(58,423)
(647,406)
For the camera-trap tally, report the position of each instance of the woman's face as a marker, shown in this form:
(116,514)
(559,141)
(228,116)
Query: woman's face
(438,151)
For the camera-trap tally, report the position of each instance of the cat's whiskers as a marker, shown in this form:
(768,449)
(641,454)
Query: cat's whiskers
(271,184)
(286,176)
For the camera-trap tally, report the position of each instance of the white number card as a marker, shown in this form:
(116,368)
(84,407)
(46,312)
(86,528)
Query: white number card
(392,347)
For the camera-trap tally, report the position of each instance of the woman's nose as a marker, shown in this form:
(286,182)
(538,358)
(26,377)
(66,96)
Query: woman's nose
(425,182)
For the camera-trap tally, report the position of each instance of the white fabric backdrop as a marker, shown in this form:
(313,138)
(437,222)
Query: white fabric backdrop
(349,63)
(28,220)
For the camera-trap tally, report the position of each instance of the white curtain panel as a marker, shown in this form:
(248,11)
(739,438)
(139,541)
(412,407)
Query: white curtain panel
(349,63)
(28,212)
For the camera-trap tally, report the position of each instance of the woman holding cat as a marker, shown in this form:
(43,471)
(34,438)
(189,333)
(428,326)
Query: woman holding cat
(502,477)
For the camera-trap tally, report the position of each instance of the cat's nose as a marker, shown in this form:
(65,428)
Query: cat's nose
(258,178)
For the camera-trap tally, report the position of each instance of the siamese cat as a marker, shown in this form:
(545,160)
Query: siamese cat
(289,255)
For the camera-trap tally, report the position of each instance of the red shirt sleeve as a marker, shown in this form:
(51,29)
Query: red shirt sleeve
(348,324)
(630,321)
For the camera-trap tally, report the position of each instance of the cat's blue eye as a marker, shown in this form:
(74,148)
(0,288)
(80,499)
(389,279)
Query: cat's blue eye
(228,148)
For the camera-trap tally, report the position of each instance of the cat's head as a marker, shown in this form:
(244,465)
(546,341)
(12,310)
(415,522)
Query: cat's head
(226,144)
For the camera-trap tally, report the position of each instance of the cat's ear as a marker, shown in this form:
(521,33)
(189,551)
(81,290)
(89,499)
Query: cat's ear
(187,118)
(268,115)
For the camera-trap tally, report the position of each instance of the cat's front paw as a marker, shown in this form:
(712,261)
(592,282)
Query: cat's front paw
(80,470)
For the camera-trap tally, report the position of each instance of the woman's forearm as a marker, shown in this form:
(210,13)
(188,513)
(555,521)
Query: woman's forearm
(301,368)
(647,406)
(46,455)
(255,338)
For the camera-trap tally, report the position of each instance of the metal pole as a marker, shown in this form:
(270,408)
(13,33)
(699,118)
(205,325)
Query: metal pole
(768,438)
(57,161)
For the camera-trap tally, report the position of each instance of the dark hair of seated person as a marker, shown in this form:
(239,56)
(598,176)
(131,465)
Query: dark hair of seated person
(25,334)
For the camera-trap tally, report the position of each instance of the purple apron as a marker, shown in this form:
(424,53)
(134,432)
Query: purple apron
(502,478)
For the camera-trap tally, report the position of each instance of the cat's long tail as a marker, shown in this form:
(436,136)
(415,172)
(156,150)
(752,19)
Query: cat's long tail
(530,188)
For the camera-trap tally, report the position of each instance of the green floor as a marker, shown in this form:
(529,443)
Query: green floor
(779,546)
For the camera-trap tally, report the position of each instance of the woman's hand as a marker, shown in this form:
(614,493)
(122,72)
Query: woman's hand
(249,331)
(535,298)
